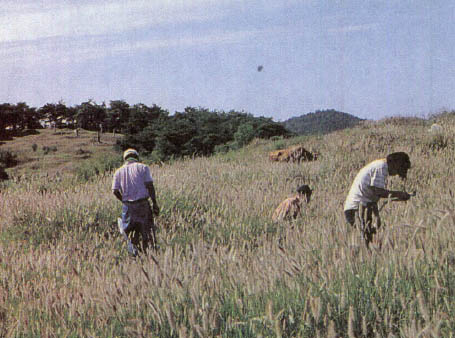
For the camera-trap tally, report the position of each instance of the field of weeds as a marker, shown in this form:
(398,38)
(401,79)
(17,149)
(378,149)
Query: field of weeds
(223,268)
(48,153)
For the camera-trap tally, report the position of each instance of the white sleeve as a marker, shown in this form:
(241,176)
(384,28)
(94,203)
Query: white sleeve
(378,178)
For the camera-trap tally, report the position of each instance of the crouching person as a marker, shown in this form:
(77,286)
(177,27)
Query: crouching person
(369,186)
(133,186)
(290,208)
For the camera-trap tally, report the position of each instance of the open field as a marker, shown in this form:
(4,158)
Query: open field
(64,150)
(223,268)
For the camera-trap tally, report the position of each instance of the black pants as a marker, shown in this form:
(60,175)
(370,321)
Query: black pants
(139,217)
(366,220)
(349,215)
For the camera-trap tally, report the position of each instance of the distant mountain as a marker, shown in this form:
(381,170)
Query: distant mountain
(321,122)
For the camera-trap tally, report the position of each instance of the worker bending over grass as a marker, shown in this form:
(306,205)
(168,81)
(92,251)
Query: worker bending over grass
(133,186)
(369,186)
(290,207)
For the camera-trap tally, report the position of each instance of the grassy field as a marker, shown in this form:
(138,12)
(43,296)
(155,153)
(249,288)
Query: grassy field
(59,152)
(223,268)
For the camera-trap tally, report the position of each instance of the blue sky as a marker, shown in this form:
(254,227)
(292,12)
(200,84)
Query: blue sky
(371,59)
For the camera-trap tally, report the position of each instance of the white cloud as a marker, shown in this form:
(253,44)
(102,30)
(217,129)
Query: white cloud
(28,21)
(41,31)
(36,19)
(67,50)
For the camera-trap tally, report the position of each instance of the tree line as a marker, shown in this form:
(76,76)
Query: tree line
(150,129)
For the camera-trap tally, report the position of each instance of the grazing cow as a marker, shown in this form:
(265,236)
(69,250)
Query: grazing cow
(292,154)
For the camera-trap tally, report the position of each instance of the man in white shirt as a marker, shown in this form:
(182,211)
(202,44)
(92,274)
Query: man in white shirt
(369,186)
(133,186)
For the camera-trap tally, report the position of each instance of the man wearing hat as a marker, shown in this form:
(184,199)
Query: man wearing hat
(369,186)
(133,186)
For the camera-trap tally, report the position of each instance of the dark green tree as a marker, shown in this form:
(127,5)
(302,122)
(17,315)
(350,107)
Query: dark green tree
(9,119)
(244,134)
(117,115)
(90,115)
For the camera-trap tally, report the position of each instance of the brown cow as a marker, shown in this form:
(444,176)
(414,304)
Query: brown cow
(293,154)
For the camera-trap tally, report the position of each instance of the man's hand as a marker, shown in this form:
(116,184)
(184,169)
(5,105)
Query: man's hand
(151,189)
(156,209)
(118,194)
(402,195)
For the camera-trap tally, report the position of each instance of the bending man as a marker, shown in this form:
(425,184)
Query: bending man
(290,207)
(133,186)
(369,186)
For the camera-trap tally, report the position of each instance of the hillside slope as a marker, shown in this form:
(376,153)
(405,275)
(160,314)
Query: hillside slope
(321,122)
(50,152)
(223,267)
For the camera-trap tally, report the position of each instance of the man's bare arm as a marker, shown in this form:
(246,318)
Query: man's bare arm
(151,189)
(384,193)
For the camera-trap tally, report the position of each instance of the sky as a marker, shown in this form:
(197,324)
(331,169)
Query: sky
(369,58)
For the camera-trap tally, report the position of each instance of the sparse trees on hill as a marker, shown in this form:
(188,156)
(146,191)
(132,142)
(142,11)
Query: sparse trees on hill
(197,131)
(193,132)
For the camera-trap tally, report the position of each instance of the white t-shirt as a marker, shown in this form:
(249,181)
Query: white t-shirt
(130,180)
(374,174)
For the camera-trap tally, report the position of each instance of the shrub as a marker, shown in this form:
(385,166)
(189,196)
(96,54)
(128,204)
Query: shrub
(244,135)
(7,159)
(403,121)
(89,169)
(280,144)
(47,150)
(81,151)
(3,175)
(221,148)
(436,142)
(34,147)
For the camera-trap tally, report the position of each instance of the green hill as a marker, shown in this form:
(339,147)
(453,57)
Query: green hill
(321,122)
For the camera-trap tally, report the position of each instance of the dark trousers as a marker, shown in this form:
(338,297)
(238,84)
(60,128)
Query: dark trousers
(147,232)
(138,216)
(349,215)
(366,220)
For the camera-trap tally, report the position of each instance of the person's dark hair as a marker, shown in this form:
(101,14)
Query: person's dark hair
(304,189)
(400,162)
(400,157)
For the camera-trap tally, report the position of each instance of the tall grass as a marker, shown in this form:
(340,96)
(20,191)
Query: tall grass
(223,268)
